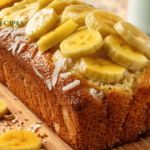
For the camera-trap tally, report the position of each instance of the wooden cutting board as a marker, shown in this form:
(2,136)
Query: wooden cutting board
(52,141)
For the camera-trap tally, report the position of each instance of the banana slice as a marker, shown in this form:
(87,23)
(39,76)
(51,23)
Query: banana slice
(81,29)
(77,2)
(134,36)
(21,17)
(77,12)
(21,5)
(44,3)
(41,23)
(82,43)
(74,2)
(4,12)
(103,22)
(54,37)
(3,109)
(59,6)
(20,140)
(100,69)
(124,54)
(26,14)
(59,18)
(100,53)
(7,3)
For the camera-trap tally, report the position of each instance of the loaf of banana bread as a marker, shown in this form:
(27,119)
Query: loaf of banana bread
(89,84)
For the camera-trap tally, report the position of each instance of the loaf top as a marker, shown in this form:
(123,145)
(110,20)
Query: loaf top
(71,41)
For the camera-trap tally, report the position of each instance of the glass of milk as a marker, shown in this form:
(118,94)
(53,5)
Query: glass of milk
(139,14)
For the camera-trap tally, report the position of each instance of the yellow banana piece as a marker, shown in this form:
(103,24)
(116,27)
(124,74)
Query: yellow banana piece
(56,25)
(100,53)
(7,3)
(44,3)
(59,18)
(100,69)
(20,140)
(54,37)
(134,36)
(26,14)
(74,2)
(77,12)
(3,109)
(41,23)
(21,17)
(124,54)
(4,13)
(77,2)
(82,43)
(103,22)
(81,29)
(59,6)
(21,5)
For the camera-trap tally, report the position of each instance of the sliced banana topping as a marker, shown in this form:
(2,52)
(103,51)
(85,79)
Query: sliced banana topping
(26,14)
(41,23)
(82,43)
(21,5)
(54,37)
(59,6)
(44,3)
(21,17)
(124,54)
(134,36)
(4,13)
(74,2)
(20,140)
(77,12)
(103,22)
(100,69)
(81,29)
(3,109)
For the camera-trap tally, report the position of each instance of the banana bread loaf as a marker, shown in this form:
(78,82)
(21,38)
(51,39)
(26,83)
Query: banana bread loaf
(87,109)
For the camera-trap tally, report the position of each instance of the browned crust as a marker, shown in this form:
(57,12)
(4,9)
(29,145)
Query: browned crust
(90,124)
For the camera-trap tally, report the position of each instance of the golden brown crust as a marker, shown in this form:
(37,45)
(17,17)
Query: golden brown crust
(90,124)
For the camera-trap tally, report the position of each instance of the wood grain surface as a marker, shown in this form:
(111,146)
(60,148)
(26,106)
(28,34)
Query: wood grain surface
(27,118)
(52,141)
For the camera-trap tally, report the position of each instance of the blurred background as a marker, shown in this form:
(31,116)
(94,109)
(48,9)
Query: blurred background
(119,7)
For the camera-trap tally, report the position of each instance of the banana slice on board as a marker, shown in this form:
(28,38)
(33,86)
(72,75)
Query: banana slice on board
(82,43)
(100,69)
(134,36)
(124,54)
(41,23)
(103,22)
(52,38)
(77,12)
(59,6)
(20,140)
(3,109)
